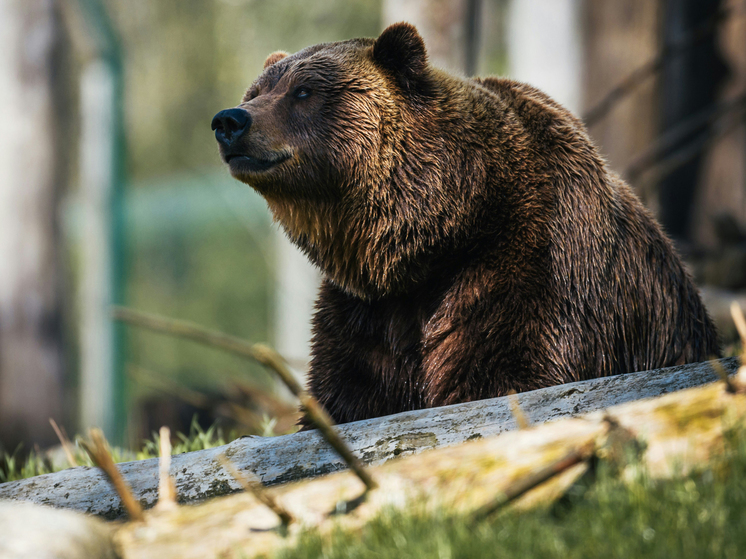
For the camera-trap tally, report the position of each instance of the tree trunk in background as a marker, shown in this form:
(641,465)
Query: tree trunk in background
(544,47)
(724,170)
(30,340)
(690,84)
(445,26)
(618,38)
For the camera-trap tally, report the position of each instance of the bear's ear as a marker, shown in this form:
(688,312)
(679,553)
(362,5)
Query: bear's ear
(401,50)
(274,58)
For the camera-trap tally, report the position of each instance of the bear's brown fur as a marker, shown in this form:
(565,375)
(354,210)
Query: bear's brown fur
(472,239)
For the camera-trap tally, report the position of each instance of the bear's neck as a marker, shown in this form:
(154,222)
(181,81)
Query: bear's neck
(448,190)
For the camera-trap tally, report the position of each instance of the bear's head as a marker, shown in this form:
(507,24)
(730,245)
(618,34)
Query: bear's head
(344,141)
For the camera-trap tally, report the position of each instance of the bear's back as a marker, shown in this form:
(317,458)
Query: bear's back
(618,281)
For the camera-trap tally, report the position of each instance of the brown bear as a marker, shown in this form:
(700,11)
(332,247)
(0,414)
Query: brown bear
(472,239)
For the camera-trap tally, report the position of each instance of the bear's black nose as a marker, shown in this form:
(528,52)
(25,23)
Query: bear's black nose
(229,124)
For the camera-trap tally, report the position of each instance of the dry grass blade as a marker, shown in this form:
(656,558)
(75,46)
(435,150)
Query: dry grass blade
(738,318)
(166,487)
(723,374)
(264,355)
(99,453)
(256,488)
(67,446)
(515,408)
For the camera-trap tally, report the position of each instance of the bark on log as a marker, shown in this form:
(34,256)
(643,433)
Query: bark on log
(198,475)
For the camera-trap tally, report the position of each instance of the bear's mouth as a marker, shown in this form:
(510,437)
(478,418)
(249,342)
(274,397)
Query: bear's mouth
(241,163)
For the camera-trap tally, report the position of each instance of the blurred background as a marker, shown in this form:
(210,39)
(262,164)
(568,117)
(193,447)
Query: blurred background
(112,191)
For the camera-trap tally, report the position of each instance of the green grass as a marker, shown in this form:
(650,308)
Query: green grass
(13,468)
(700,515)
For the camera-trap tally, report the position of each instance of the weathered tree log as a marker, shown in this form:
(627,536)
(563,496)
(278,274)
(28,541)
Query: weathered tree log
(275,460)
(677,432)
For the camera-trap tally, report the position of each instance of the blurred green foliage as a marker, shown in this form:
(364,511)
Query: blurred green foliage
(199,244)
(200,248)
(14,467)
(187,59)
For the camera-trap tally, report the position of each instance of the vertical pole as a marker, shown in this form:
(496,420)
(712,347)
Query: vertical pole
(96,172)
(118,241)
(103,395)
(473,37)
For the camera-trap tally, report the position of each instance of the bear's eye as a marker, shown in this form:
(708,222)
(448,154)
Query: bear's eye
(302,92)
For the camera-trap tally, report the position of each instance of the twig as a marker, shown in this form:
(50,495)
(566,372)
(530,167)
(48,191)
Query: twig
(264,355)
(161,383)
(166,487)
(255,487)
(67,446)
(682,133)
(211,338)
(100,455)
(325,425)
(691,150)
(575,456)
(346,507)
(638,76)
(318,415)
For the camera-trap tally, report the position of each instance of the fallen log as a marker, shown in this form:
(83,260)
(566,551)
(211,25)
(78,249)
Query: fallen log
(678,432)
(274,460)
